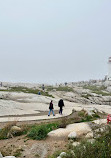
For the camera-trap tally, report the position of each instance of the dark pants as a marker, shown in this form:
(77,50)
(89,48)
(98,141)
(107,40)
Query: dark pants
(60,111)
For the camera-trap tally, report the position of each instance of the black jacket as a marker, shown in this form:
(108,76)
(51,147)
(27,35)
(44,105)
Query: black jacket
(51,106)
(60,103)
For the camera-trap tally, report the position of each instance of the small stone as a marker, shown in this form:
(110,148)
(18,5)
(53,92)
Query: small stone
(62,154)
(75,143)
(72,135)
(89,135)
(15,129)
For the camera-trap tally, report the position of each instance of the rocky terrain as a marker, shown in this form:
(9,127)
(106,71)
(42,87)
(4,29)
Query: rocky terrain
(93,92)
(29,103)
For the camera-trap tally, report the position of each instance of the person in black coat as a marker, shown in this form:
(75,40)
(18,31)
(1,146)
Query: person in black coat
(60,104)
(51,108)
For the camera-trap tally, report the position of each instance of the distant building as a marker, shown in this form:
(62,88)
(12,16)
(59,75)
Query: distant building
(109,69)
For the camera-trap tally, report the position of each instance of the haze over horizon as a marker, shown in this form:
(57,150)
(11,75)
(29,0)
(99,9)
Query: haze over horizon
(54,41)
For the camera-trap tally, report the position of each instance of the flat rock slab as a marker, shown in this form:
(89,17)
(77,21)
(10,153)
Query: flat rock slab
(79,128)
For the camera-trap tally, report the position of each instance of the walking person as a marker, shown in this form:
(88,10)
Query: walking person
(60,104)
(51,108)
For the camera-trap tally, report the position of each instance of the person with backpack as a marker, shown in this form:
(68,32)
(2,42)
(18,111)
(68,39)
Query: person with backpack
(60,104)
(51,108)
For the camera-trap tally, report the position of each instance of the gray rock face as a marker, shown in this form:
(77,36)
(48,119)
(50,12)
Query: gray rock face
(87,96)
(72,135)
(1,155)
(76,130)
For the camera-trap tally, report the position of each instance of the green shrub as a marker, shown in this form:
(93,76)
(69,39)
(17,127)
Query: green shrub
(85,117)
(82,113)
(4,133)
(95,115)
(40,132)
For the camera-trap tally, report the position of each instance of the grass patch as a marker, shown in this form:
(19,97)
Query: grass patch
(55,155)
(7,131)
(98,90)
(94,88)
(11,150)
(86,96)
(86,118)
(39,132)
(18,152)
(4,132)
(66,89)
(61,88)
(27,90)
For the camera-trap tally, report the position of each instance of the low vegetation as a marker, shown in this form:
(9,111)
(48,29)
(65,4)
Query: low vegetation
(86,96)
(6,132)
(11,150)
(60,88)
(95,88)
(100,90)
(85,117)
(27,90)
(41,131)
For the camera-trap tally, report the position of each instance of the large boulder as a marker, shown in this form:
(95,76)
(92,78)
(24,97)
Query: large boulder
(100,121)
(76,129)
(15,130)
(62,154)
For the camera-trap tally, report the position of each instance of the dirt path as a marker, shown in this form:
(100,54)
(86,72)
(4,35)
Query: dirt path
(19,123)
(25,148)
(41,113)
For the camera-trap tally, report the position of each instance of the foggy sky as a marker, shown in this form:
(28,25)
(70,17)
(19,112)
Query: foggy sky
(50,41)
